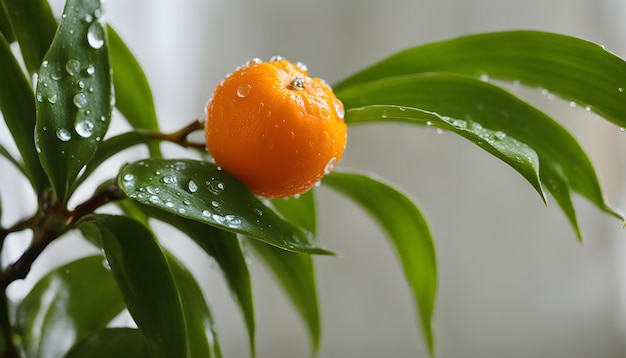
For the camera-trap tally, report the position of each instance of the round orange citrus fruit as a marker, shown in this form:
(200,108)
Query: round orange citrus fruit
(274,128)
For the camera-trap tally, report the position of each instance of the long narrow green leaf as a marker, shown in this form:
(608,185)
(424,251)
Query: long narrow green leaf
(112,342)
(17,104)
(296,274)
(469,102)
(74,96)
(573,68)
(226,249)
(201,334)
(199,191)
(34,25)
(144,277)
(67,305)
(5,24)
(133,96)
(408,232)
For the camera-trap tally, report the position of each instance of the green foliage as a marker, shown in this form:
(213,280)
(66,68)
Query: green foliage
(60,130)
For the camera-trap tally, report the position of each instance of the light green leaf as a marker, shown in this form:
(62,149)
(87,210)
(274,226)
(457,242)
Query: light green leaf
(67,305)
(296,274)
(573,68)
(112,342)
(199,191)
(469,102)
(74,96)
(408,232)
(33,25)
(133,96)
(144,277)
(17,104)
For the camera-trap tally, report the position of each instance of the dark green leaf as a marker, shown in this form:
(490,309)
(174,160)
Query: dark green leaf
(225,248)
(407,230)
(300,210)
(575,69)
(74,97)
(17,104)
(143,275)
(5,24)
(34,26)
(112,342)
(201,334)
(471,103)
(199,191)
(67,305)
(296,275)
(132,91)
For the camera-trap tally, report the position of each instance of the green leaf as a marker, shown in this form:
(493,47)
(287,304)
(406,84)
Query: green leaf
(201,334)
(74,96)
(471,103)
(5,25)
(17,104)
(199,191)
(407,230)
(300,210)
(518,155)
(112,342)
(573,68)
(226,249)
(144,277)
(133,96)
(296,274)
(67,305)
(34,25)
(5,153)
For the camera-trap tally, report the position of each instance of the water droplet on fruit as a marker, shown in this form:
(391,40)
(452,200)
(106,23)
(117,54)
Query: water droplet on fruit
(243,90)
(95,35)
(301,66)
(339,108)
(80,100)
(253,61)
(72,66)
(84,128)
(298,83)
(63,134)
(276,58)
(330,165)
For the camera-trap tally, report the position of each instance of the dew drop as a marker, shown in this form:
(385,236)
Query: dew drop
(439,131)
(484,77)
(206,213)
(154,199)
(53,98)
(429,123)
(95,35)
(97,13)
(215,187)
(622,129)
(182,210)
(192,186)
(128,177)
(215,204)
(90,70)
(168,179)
(88,18)
(588,108)
(232,221)
(186,202)
(298,83)
(330,165)
(80,100)
(621,89)
(39,97)
(459,123)
(72,66)
(276,58)
(500,135)
(301,66)
(253,61)
(292,135)
(84,128)
(339,108)
(55,75)
(243,90)
(324,112)
(169,204)
(63,134)
(81,84)
(572,104)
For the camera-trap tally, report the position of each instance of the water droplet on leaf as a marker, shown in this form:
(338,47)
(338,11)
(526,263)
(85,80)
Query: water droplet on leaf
(192,186)
(95,35)
(80,100)
(72,66)
(84,128)
(63,134)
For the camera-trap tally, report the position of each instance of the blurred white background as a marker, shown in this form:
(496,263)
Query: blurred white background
(514,282)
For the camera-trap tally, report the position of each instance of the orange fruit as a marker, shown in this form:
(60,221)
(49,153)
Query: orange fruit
(274,128)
